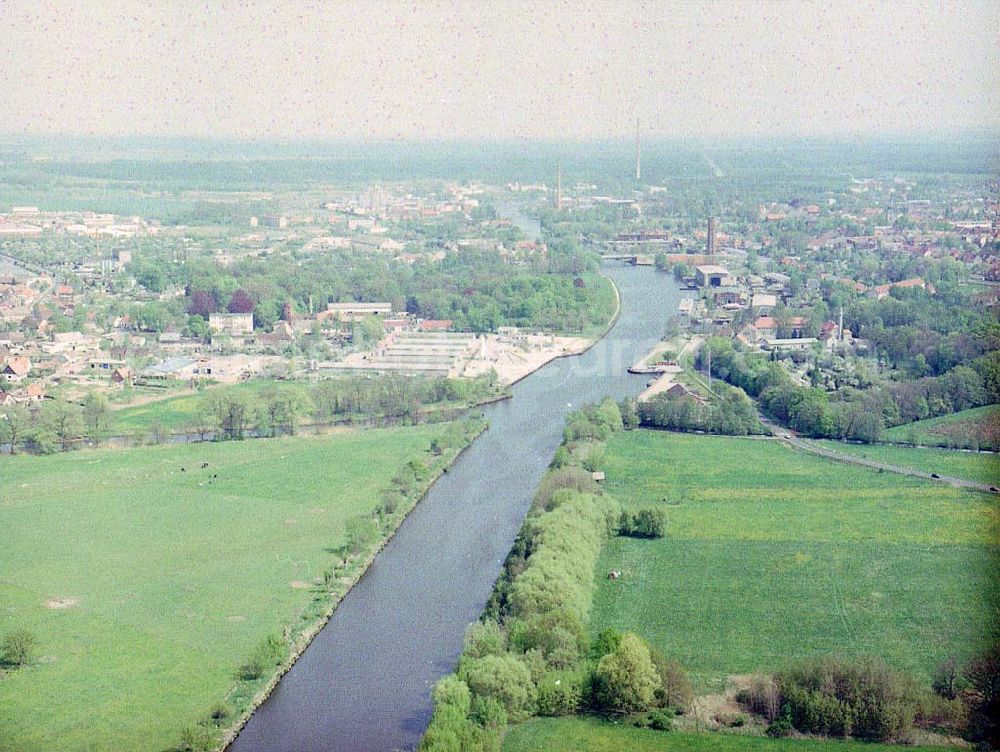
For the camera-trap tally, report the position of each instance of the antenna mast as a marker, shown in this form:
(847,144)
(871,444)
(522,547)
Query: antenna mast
(638,153)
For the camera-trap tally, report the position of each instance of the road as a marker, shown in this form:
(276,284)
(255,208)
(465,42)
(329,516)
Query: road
(806,445)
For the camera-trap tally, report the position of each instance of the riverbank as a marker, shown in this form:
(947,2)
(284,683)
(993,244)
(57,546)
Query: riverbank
(364,683)
(359,569)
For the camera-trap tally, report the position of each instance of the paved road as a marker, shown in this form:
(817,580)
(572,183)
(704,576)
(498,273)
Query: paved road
(810,446)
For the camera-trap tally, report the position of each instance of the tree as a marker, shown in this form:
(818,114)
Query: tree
(504,678)
(65,420)
(232,412)
(18,647)
(95,415)
(983,675)
(240,302)
(626,679)
(14,423)
(201,303)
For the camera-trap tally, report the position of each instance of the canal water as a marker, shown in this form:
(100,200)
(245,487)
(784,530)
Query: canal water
(365,681)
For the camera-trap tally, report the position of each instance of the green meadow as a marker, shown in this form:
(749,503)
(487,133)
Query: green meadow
(176,413)
(149,579)
(773,555)
(588,734)
(980,425)
(983,467)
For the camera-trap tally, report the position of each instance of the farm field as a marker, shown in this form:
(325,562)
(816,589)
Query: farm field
(772,555)
(147,586)
(957,429)
(589,734)
(978,466)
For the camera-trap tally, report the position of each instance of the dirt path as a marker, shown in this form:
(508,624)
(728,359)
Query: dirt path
(812,447)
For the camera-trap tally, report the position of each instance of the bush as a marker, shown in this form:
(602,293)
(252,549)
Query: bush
(625,681)
(983,675)
(658,720)
(220,713)
(643,523)
(781,726)
(483,638)
(18,647)
(565,543)
(452,691)
(606,642)
(572,477)
(865,699)
(264,658)
(197,739)
(504,678)
(761,697)
(675,689)
(559,635)
(560,693)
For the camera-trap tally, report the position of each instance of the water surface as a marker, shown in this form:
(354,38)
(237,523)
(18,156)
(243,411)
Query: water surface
(364,683)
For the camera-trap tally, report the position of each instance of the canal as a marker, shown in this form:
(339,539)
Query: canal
(365,681)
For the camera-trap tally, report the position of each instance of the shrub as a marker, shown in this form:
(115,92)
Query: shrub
(452,691)
(625,680)
(263,659)
(565,543)
(559,635)
(675,689)
(450,730)
(572,477)
(504,678)
(782,725)
(947,679)
(220,713)
(865,699)
(660,720)
(483,638)
(983,675)
(643,523)
(489,713)
(18,647)
(197,739)
(605,642)
(560,693)
(761,697)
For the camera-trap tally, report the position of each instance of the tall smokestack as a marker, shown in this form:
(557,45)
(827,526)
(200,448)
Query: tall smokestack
(638,153)
(710,248)
(559,203)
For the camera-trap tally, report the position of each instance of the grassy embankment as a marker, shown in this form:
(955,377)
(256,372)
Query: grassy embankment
(148,586)
(588,734)
(977,466)
(980,424)
(178,413)
(773,555)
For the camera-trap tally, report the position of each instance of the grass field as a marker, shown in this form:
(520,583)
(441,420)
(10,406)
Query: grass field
(587,734)
(981,424)
(147,586)
(979,466)
(773,554)
(177,412)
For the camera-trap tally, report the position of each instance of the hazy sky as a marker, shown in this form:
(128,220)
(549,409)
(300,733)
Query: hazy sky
(496,69)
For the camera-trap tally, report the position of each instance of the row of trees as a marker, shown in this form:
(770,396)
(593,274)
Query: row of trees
(53,425)
(864,698)
(479,290)
(731,413)
(852,414)
(531,654)
(234,413)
